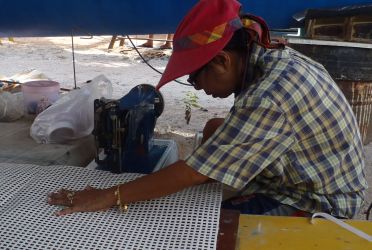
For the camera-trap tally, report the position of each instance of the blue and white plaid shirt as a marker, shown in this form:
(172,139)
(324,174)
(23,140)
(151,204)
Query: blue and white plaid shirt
(290,135)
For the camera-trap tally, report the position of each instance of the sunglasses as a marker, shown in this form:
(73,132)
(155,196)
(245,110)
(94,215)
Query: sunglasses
(195,74)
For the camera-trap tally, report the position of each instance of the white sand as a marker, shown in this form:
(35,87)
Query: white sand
(123,67)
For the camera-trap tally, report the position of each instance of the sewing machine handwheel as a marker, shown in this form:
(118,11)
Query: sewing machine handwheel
(158,97)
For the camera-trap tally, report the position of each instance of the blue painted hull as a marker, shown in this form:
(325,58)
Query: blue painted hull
(106,17)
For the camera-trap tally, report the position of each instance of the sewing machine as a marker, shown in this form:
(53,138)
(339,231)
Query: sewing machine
(124,129)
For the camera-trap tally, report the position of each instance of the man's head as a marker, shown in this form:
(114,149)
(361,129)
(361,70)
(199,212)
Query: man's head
(222,75)
(210,45)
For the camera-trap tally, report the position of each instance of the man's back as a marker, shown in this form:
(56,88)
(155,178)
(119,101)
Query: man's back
(322,170)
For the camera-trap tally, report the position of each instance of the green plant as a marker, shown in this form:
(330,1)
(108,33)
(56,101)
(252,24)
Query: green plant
(190,100)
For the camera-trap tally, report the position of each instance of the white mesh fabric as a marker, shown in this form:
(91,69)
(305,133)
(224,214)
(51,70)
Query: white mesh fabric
(186,220)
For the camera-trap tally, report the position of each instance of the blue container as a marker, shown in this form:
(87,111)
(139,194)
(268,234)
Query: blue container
(162,154)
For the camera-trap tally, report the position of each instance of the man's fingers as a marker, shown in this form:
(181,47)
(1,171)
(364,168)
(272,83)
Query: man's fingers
(77,208)
(77,201)
(56,195)
(68,210)
(58,202)
(58,198)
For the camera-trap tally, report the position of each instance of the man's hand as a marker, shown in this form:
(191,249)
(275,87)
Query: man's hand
(87,200)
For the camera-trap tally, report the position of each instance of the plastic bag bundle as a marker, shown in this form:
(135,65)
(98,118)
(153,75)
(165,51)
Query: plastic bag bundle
(72,116)
(11,106)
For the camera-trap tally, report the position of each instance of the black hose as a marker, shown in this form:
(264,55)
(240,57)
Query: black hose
(145,61)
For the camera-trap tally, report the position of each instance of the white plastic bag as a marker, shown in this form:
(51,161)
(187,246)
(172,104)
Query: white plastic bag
(72,116)
(11,106)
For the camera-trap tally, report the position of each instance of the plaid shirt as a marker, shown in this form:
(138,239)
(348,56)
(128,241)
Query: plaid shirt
(290,135)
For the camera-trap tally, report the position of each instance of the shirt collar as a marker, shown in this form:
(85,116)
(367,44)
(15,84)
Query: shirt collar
(252,69)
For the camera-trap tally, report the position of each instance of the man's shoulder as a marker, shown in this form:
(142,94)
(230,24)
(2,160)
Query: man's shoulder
(289,74)
(287,59)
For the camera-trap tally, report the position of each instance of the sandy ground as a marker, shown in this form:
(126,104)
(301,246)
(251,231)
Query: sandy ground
(123,67)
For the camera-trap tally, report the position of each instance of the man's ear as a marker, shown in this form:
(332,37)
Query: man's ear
(221,62)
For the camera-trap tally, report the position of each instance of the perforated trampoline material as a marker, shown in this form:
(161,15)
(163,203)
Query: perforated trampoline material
(186,220)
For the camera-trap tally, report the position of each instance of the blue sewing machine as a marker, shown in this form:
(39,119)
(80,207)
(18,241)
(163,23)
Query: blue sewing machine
(124,129)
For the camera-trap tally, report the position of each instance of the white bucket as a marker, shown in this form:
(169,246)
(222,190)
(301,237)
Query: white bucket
(39,95)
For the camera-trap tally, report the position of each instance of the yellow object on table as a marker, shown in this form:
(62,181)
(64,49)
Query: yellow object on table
(280,232)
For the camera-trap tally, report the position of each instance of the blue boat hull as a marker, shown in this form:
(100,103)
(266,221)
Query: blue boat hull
(107,17)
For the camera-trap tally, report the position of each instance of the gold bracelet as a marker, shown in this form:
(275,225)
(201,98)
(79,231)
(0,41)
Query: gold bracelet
(122,207)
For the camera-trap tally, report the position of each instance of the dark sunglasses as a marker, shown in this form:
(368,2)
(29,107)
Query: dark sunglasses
(194,75)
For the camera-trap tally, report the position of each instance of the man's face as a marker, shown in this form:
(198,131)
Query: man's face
(220,77)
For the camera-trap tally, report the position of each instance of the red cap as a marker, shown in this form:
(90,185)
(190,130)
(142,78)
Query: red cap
(203,32)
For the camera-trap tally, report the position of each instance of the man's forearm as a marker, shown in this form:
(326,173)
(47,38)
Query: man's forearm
(164,182)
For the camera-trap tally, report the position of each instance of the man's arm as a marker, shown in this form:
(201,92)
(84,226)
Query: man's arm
(164,182)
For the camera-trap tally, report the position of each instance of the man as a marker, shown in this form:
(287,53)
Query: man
(290,143)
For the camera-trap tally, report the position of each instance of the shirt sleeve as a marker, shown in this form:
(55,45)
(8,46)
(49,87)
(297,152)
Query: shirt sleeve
(251,138)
